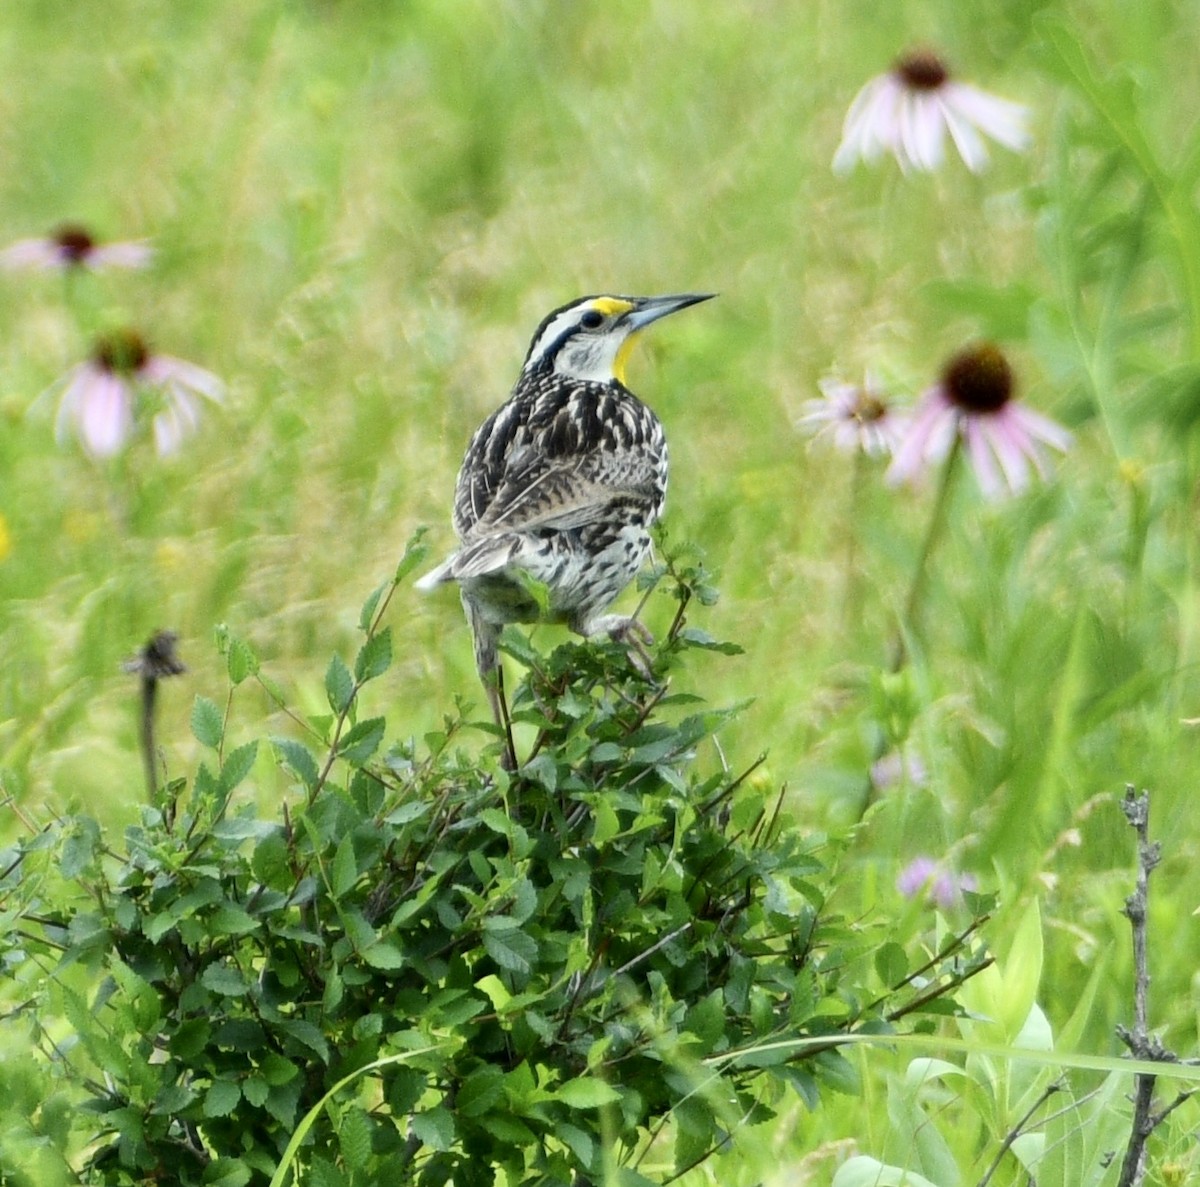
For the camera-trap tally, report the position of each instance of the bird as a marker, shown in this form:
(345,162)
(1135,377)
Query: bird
(560,484)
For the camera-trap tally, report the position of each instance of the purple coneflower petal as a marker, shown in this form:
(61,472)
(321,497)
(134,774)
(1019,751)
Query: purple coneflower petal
(980,452)
(164,369)
(929,435)
(966,139)
(31,254)
(922,131)
(1004,121)
(1013,447)
(909,111)
(132,255)
(101,406)
(179,420)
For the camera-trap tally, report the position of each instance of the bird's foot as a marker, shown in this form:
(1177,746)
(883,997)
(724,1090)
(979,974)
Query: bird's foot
(632,633)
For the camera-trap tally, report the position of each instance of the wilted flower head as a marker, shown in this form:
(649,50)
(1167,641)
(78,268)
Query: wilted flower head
(101,399)
(72,246)
(859,417)
(908,111)
(975,400)
(943,887)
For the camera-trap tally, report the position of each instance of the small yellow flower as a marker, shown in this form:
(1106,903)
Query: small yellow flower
(5,538)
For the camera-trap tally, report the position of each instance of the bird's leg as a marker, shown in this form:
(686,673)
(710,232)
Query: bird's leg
(493,682)
(487,661)
(634,634)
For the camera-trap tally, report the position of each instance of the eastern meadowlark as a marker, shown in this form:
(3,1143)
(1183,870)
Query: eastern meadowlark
(560,484)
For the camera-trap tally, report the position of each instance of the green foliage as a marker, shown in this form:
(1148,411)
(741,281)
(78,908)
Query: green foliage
(424,968)
(386,199)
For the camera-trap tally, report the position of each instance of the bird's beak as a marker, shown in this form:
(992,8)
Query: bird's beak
(650,309)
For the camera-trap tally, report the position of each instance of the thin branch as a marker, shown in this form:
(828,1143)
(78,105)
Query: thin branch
(1018,1129)
(1141,1043)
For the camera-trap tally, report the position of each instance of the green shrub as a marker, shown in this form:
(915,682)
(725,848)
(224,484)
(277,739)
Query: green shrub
(547,973)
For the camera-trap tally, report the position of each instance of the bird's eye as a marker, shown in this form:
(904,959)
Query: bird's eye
(592,319)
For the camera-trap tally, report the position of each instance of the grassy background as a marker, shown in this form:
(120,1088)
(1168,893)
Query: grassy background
(361,211)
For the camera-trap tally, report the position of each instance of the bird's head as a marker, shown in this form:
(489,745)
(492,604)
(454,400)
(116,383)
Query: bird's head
(591,338)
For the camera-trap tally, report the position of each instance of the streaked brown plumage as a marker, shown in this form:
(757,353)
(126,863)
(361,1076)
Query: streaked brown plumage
(561,482)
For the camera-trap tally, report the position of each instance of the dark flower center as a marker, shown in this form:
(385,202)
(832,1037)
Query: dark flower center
(74,243)
(979,379)
(123,352)
(922,70)
(868,408)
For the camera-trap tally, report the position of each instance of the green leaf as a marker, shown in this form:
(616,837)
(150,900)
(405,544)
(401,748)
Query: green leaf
(354,1138)
(307,1035)
(323,1173)
(255,1089)
(366,616)
(1021,973)
(297,756)
(277,1070)
(339,685)
(481,1090)
(358,744)
(208,725)
(586,1092)
(891,963)
(242,661)
(862,1171)
(221,1098)
(434,1127)
(171,1099)
(374,657)
(511,949)
(190,1038)
(270,862)
(231,919)
(415,552)
(580,1142)
(226,1172)
(605,823)
(224,979)
(344,869)
(79,847)
(236,767)
(384,955)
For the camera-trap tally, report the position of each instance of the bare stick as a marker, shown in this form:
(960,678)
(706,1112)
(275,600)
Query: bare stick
(1141,1043)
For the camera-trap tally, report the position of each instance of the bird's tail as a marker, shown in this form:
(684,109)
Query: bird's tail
(476,560)
(435,577)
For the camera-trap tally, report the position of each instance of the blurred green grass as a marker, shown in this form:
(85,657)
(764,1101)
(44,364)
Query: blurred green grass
(362,210)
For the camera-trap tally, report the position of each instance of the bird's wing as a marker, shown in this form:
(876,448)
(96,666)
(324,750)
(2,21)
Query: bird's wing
(549,493)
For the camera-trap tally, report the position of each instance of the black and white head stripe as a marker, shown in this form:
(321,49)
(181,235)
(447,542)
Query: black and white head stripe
(589,338)
(590,317)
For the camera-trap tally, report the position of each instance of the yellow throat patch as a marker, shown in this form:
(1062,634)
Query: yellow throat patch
(611,307)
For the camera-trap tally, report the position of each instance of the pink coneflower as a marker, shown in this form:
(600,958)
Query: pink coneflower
(103,395)
(974,400)
(70,247)
(943,887)
(858,417)
(909,110)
